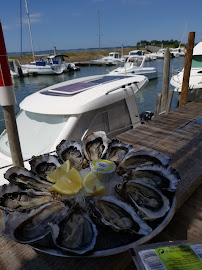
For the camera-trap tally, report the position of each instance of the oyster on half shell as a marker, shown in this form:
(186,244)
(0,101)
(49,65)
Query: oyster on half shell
(44,164)
(118,215)
(14,199)
(72,151)
(162,177)
(34,225)
(117,151)
(75,233)
(135,159)
(95,145)
(25,179)
(149,200)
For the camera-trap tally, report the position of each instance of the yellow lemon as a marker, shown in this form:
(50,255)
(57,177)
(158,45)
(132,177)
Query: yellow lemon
(70,183)
(59,172)
(92,184)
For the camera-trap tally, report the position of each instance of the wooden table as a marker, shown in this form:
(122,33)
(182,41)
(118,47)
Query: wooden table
(178,135)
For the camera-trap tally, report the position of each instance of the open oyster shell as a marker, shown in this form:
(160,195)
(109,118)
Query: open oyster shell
(72,151)
(117,151)
(139,158)
(44,164)
(13,198)
(118,215)
(162,177)
(149,200)
(95,145)
(25,179)
(75,233)
(34,225)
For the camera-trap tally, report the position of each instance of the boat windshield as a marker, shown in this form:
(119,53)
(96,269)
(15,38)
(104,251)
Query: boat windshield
(37,132)
(196,61)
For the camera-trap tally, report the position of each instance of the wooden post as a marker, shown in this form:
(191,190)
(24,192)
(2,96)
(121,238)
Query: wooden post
(7,101)
(166,72)
(187,69)
(12,131)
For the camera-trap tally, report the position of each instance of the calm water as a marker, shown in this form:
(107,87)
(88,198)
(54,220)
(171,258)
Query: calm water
(146,98)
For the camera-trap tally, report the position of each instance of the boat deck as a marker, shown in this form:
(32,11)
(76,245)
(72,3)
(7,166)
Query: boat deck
(179,135)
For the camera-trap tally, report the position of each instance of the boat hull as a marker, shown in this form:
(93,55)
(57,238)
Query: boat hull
(47,70)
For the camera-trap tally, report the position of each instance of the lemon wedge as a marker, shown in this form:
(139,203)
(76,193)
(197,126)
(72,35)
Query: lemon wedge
(92,184)
(59,172)
(69,183)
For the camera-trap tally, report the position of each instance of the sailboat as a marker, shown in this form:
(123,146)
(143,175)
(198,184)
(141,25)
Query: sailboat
(44,65)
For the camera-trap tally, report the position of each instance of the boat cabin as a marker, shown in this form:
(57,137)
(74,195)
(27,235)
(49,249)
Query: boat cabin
(114,55)
(71,109)
(197,56)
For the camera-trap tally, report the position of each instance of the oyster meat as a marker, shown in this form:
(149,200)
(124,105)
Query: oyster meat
(20,200)
(44,164)
(34,225)
(26,179)
(75,233)
(150,201)
(162,177)
(95,145)
(135,159)
(117,151)
(72,151)
(118,215)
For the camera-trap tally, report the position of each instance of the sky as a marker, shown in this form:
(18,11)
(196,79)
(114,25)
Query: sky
(73,24)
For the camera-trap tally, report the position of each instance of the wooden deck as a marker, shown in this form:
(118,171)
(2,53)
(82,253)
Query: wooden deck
(178,135)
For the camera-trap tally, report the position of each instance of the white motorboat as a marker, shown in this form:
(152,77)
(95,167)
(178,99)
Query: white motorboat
(45,66)
(71,109)
(195,79)
(112,59)
(178,52)
(160,53)
(53,64)
(138,55)
(130,68)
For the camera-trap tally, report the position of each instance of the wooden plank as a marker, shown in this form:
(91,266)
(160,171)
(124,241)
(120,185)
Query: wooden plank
(180,138)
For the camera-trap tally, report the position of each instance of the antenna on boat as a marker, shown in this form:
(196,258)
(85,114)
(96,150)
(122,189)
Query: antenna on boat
(30,33)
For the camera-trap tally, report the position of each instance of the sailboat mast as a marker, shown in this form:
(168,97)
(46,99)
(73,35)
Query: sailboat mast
(20,31)
(30,33)
(99,31)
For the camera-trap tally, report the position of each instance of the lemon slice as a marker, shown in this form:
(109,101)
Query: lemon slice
(59,172)
(70,183)
(92,184)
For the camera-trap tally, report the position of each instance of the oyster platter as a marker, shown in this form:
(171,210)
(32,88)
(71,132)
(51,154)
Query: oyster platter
(94,198)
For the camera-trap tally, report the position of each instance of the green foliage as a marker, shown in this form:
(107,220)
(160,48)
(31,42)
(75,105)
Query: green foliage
(158,43)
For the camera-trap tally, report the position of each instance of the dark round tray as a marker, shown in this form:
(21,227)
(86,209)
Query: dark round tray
(131,242)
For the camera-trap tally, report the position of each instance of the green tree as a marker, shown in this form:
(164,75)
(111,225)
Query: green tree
(176,44)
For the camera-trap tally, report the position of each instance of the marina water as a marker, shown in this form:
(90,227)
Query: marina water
(146,97)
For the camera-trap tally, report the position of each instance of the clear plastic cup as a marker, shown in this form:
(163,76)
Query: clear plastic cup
(104,168)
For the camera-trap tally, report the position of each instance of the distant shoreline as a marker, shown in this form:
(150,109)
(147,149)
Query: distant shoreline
(74,56)
(79,55)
